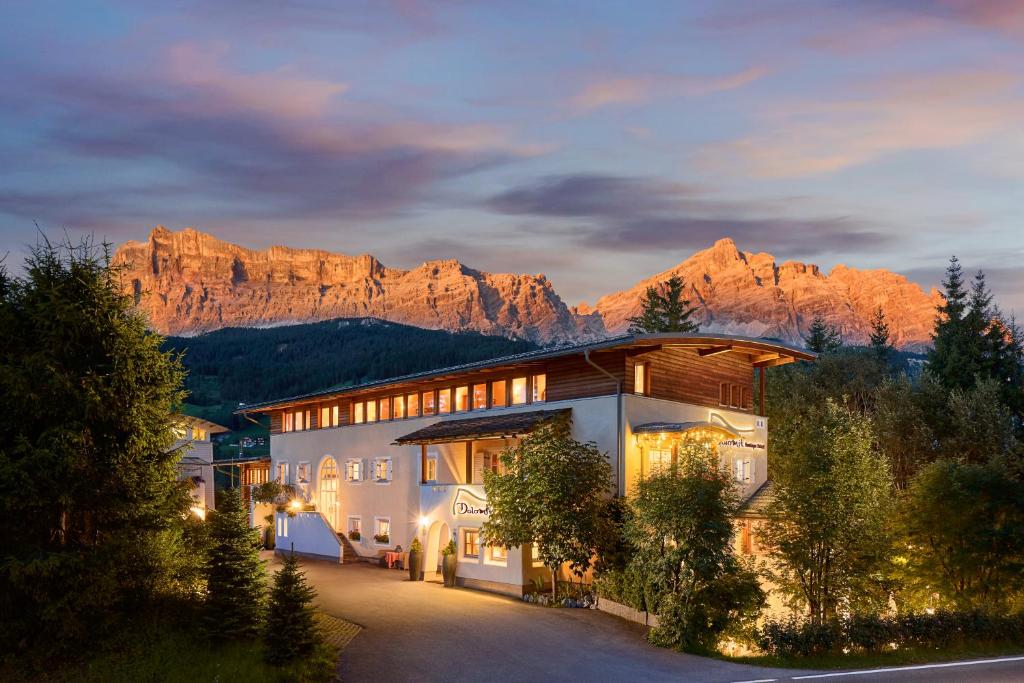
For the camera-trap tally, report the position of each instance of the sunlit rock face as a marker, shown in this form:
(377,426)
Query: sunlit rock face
(190,282)
(751,294)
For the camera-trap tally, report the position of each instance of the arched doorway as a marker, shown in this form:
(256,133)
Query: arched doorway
(327,489)
(437,538)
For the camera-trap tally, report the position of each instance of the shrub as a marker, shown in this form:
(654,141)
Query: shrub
(415,546)
(873,634)
(450,549)
(354,536)
(382,538)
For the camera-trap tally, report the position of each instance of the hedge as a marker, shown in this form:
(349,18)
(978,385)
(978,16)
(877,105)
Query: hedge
(872,634)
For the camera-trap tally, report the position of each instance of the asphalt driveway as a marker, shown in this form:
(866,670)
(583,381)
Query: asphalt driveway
(418,631)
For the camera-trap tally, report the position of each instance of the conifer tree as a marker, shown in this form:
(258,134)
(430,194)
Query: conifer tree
(880,341)
(949,360)
(667,311)
(236,583)
(290,631)
(822,337)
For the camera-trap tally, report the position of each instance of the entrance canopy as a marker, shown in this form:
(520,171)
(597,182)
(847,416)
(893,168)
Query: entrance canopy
(505,426)
(678,428)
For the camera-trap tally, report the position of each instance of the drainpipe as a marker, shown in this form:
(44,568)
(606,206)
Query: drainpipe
(620,484)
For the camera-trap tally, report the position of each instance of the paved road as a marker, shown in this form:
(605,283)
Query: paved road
(418,631)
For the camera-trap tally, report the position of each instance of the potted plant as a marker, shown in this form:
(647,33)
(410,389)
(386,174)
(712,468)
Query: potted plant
(415,560)
(449,560)
(354,535)
(383,539)
(268,532)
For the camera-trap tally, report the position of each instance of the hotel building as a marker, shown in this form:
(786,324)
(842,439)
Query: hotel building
(388,461)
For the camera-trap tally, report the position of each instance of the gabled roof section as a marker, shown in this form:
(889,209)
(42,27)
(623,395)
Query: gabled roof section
(764,353)
(489,427)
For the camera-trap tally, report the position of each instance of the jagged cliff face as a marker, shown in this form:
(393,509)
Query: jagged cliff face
(751,294)
(190,282)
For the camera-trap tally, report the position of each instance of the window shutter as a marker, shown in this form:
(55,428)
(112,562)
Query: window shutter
(364,468)
(390,472)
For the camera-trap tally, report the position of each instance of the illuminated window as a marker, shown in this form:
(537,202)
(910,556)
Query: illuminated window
(498,389)
(385,409)
(461,398)
(518,391)
(444,401)
(288,422)
(471,543)
(355,525)
(282,472)
(300,420)
(479,396)
(371,411)
(198,434)
(723,394)
(382,469)
(412,405)
(399,407)
(335,415)
(431,473)
(353,470)
(640,378)
(659,458)
(429,406)
(325,417)
(535,555)
(497,554)
(540,388)
(357,413)
(382,530)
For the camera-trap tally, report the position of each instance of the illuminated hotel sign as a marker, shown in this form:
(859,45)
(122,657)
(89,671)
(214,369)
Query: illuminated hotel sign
(741,443)
(468,503)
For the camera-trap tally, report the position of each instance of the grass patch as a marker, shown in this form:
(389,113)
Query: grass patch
(174,655)
(896,658)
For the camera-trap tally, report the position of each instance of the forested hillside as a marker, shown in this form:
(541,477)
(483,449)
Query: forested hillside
(248,365)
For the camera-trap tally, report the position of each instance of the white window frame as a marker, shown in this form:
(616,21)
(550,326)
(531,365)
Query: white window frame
(282,472)
(388,471)
(359,524)
(376,531)
(743,470)
(640,387)
(493,561)
(303,468)
(355,470)
(282,524)
(535,560)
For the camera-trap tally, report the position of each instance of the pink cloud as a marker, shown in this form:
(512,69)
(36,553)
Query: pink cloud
(283,92)
(913,113)
(638,89)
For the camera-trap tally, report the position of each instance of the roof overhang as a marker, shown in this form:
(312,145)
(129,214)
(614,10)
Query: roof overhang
(761,353)
(507,426)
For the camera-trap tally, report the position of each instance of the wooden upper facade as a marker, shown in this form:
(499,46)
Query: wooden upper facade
(711,370)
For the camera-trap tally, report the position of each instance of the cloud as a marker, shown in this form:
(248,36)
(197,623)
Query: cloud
(645,215)
(638,89)
(942,111)
(234,144)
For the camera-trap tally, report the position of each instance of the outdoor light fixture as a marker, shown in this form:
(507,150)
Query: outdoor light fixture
(199,512)
(295,504)
(424,521)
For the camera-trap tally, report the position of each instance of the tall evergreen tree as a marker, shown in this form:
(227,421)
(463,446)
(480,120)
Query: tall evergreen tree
(667,311)
(236,583)
(880,338)
(822,337)
(290,631)
(88,483)
(951,360)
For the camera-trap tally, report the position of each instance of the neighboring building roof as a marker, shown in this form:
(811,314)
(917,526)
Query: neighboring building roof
(241,461)
(211,427)
(676,427)
(193,461)
(715,343)
(490,427)
(757,504)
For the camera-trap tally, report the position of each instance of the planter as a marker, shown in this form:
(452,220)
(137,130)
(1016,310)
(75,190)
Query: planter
(448,564)
(268,538)
(415,565)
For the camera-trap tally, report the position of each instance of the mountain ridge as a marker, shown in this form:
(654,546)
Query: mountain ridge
(190,282)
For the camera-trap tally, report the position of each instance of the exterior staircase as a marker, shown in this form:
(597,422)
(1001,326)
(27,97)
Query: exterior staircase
(348,553)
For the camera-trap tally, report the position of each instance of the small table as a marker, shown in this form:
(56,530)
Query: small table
(392,558)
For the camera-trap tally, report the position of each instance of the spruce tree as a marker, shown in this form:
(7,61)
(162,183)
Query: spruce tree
(667,311)
(236,582)
(290,631)
(822,337)
(949,359)
(880,341)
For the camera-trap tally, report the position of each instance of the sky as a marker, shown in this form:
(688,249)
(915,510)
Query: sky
(595,142)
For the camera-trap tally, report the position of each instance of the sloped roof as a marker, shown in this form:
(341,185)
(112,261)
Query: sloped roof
(490,427)
(717,342)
